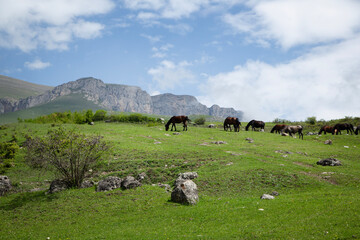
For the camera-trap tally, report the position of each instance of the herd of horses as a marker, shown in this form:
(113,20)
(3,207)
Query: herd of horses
(279,128)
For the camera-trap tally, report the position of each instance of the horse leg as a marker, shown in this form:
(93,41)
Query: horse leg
(185,126)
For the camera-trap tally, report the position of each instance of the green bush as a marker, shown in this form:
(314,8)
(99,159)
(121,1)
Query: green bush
(99,115)
(200,121)
(69,154)
(311,120)
(89,115)
(7,155)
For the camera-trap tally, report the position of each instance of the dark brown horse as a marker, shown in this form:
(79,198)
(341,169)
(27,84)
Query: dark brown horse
(177,119)
(293,130)
(343,126)
(357,130)
(232,121)
(326,129)
(255,124)
(277,128)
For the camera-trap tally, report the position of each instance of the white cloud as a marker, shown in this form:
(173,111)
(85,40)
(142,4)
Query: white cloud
(176,9)
(37,64)
(152,39)
(50,24)
(292,22)
(169,75)
(323,83)
(161,52)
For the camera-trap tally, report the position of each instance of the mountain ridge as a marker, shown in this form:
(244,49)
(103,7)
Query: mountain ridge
(118,97)
(13,88)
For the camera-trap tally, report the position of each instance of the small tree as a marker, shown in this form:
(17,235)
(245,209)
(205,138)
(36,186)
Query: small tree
(69,154)
(89,115)
(99,115)
(200,121)
(311,120)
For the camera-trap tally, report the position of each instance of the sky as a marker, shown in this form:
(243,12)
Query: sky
(287,59)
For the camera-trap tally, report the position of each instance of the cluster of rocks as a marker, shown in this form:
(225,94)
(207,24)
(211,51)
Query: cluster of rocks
(184,189)
(329,162)
(219,142)
(250,140)
(112,182)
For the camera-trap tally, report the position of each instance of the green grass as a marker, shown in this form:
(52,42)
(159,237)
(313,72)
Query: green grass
(314,202)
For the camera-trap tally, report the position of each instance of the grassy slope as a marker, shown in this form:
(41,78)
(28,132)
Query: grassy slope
(73,102)
(15,88)
(315,202)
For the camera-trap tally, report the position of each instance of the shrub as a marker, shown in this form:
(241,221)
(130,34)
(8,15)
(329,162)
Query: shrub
(279,120)
(7,155)
(200,121)
(99,115)
(69,154)
(79,118)
(311,120)
(89,115)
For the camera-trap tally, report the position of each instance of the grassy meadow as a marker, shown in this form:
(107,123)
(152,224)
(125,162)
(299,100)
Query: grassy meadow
(314,202)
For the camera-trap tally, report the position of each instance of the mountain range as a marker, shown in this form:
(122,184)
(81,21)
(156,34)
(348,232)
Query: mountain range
(99,95)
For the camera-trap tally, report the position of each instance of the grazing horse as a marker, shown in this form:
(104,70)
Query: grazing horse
(343,126)
(177,119)
(326,129)
(293,129)
(357,130)
(255,124)
(232,121)
(277,128)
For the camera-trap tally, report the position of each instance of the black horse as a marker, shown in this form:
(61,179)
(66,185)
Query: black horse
(343,126)
(255,124)
(277,128)
(177,119)
(232,121)
(357,130)
(293,130)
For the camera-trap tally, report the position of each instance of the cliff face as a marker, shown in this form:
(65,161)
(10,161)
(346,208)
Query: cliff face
(170,104)
(121,98)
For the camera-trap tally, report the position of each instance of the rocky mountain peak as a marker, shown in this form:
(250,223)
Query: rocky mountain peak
(124,98)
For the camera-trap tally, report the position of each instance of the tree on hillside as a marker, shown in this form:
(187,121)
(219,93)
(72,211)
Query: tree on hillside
(68,154)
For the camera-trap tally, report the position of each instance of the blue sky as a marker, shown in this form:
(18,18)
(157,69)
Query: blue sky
(269,58)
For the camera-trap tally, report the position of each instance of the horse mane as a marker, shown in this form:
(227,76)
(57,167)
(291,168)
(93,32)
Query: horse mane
(169,122)
(249,124)
(273,129)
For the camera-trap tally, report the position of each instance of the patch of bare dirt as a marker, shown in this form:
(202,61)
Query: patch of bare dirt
(318,177)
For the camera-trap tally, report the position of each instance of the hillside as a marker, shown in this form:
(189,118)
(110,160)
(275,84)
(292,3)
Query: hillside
(314,202)
(16,89)
(72,102)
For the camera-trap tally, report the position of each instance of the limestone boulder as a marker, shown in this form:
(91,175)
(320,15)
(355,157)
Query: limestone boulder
(108,184)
